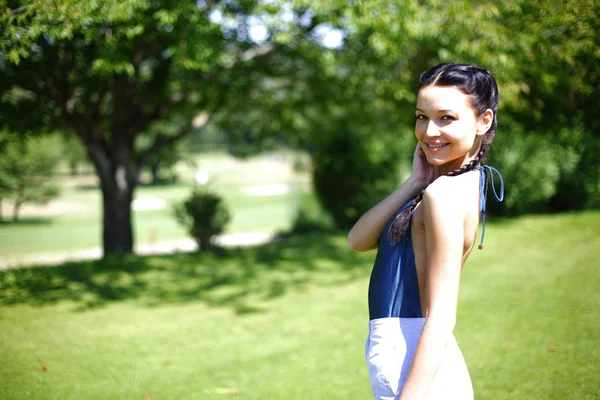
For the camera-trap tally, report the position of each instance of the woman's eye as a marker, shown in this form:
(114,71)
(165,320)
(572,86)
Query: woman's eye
(448,118)
(421,117)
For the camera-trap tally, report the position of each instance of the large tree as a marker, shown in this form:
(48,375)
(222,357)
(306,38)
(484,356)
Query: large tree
(109,70)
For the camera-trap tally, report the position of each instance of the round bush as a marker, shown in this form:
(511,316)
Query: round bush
(204,215)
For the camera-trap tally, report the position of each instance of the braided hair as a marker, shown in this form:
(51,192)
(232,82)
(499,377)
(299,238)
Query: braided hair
(480,86)
(399,228)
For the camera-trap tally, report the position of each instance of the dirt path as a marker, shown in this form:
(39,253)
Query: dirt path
(167,247)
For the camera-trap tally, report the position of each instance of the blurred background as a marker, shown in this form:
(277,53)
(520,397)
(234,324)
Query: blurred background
(177,179)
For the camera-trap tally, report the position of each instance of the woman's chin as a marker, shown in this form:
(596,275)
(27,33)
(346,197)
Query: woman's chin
(443,163)
(436,161)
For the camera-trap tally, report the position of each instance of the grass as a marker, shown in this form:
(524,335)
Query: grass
(288,320)
(79,226)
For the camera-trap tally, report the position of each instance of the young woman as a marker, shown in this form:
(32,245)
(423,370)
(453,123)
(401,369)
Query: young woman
(424,232)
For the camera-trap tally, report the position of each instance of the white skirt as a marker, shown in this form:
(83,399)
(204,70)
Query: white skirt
(389,352)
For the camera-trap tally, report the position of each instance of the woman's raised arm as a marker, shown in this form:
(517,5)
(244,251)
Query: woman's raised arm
(366,232)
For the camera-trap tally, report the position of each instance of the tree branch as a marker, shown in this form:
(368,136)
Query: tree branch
(159,79)
(20,10)
(251,54)
(162,109)
(164,141)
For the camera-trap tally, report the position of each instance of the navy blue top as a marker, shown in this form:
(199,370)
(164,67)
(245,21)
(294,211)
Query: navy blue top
(394,287)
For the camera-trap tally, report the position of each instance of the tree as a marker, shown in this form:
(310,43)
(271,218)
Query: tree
(74,154)
(162,163)
(26,170)
(542,53)
(109,70)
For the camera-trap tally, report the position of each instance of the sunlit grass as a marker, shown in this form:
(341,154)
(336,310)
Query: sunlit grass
(288,320)
(79,226)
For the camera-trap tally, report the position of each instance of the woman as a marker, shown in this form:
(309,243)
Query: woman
(424,232)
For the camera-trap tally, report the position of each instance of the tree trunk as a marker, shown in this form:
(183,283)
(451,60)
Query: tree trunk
(1,215)
(73,167)
(16,209)
(117,232)
(19,199)
(155,169)
(118,173)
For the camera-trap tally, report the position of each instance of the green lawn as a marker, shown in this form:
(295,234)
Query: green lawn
(288,320)
(78,227)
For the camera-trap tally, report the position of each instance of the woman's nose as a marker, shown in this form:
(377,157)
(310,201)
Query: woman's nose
(432,129)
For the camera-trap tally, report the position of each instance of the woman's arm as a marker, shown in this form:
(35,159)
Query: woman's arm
(444,237)
(365,233)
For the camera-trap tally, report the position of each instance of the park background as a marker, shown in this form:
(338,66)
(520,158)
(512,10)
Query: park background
(297,116)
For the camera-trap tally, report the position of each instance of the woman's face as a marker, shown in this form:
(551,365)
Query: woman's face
(447,128)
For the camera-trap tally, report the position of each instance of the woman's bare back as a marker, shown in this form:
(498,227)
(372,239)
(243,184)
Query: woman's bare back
(465,191)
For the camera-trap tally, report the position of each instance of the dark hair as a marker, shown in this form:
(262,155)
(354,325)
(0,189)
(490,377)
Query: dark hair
(480,86)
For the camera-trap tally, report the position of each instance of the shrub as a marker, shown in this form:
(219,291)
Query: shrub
(530,171)
(558,171)
(352,172)
(204,215)
(578,155)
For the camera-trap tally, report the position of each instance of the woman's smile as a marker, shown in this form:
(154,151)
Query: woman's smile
(446,126)
(434,147)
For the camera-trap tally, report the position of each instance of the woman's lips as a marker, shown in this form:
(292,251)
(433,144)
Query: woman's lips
(436,146)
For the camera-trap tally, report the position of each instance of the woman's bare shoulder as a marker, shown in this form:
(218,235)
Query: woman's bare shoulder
(453,192)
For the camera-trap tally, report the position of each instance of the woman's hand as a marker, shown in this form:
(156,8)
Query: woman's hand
(423,172)
(365,234)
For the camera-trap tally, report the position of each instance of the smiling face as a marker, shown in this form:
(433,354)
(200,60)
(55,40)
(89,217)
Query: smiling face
(447,128)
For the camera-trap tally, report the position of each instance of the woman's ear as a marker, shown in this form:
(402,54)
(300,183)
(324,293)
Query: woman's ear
(485,122)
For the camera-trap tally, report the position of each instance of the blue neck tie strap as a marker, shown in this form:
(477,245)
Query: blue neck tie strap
(487,175)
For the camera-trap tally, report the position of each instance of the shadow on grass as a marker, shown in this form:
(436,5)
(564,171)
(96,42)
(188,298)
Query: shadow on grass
(237,278)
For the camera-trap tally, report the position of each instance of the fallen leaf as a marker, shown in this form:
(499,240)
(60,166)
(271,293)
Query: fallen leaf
(43,368)
(147,397)
(553,349)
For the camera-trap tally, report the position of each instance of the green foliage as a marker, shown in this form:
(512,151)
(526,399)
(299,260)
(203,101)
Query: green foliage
(556,172)
(578,155)
(204,215)
(545,58)
(74,154)
(352,172)
(162,164)
(27,167)
(111,71)
(530,171)
(126,64)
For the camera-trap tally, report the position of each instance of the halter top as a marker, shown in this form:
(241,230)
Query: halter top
(394,287)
